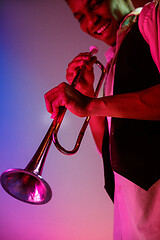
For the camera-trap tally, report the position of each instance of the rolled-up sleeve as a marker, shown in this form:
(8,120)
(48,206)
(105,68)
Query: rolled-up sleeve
(149,25)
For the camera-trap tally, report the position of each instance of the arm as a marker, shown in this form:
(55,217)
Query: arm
(140,105)
(143,105)
(97,125)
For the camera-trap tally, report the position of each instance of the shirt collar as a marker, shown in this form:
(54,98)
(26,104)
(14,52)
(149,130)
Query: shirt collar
(126,23)
(130,18)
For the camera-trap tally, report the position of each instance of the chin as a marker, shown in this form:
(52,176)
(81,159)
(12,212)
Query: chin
(108,41)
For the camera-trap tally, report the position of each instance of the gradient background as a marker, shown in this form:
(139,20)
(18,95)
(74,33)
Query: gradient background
(38,40)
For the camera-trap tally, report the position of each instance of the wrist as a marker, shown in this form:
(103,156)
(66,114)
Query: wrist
(88,92)
(93,107)
(98,107)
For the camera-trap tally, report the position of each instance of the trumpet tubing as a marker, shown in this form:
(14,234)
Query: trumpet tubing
(28,185)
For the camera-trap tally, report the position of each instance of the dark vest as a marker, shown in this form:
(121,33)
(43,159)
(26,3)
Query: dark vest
(135,144)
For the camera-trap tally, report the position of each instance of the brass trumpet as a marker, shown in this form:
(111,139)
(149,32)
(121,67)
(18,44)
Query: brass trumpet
(28,185)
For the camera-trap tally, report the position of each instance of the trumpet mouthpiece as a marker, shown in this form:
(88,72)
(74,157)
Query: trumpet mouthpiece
(93,49)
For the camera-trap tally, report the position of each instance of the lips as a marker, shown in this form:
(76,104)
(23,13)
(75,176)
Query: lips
(100,30)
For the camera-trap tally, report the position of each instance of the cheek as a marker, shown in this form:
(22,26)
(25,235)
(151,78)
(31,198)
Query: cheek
(84,28)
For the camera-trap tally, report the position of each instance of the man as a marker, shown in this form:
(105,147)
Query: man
(129,138)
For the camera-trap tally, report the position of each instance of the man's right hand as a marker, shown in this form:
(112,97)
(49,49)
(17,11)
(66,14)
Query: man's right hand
(85,84)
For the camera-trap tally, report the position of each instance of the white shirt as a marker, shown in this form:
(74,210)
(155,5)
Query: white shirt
(136,211)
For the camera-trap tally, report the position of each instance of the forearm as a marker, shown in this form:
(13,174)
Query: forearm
(97,125)
(144,105)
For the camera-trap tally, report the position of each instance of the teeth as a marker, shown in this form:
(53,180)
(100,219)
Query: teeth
(102,28)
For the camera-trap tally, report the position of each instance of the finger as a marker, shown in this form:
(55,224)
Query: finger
(89,65)
(72,70)
(74,66)
(55,112)
(82,56)
(56,97)
(79,61)
(49,98)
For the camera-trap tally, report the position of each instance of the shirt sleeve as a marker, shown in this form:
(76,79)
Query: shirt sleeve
(149,25)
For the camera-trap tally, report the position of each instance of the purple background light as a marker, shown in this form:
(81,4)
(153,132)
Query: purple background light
(38,40)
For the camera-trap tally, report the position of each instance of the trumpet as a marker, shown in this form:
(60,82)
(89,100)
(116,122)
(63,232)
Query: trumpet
(27,184)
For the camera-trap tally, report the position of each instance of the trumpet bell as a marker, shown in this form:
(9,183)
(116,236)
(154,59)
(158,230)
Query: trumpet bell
(26,186)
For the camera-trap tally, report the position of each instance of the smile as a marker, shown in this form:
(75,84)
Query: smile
(103,28)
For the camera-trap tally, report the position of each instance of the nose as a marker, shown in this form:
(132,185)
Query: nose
(92,19)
